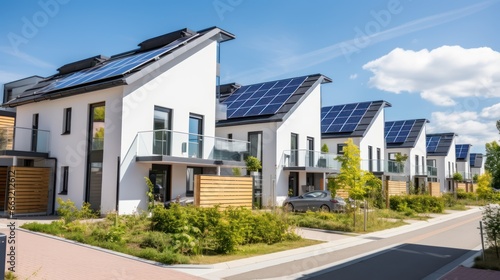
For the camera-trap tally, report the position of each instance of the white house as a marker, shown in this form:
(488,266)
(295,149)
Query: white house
(476,164)
(441,155)
(408,137)
(281,120)
(364,123)
(462,155)
(148,112)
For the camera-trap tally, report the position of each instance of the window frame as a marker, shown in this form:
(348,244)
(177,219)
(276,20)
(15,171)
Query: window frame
(64,180)
(66,129)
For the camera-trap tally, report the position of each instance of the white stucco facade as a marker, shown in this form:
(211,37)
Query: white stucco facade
(446,167)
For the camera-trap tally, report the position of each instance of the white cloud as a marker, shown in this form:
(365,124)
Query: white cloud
(353,76)
(469,126)
(348,47)
(492,112)
(440,75)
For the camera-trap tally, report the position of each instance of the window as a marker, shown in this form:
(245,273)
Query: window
(64,179)
(340,149)
(255,149)
(195,149)
(310,148)
(67,121)
(378,160)
(370,158)
(162,133)
(294,146)
(416,165)
(392,156)
(191,171)
(95,152)
(34,133)
(230,136)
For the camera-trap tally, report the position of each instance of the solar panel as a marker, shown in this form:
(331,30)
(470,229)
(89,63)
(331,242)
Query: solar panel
(342,118)
(398,131)
(472,160)
(261,99)
(432,143)
(111,68)
(461,151)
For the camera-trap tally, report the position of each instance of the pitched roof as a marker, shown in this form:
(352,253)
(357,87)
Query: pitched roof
(270,101)
(404,133)
(350,120)
(476,160)
(439,144)
(462,151)
(100,72)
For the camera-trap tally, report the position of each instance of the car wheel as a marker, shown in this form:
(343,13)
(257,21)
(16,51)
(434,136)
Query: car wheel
(324,208)
(289,207)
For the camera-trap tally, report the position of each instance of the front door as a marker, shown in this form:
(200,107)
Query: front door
(160,176)
(293,184)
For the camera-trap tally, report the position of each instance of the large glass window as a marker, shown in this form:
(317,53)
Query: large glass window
(255,149)
(310,153)
(294,146)
(95,155)
(191,171)
(195,136)
(162,131)
(34,133)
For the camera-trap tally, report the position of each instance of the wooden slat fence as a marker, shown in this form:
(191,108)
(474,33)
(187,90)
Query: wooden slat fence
(396,188)
(31,189)
(434,189)
(224,191)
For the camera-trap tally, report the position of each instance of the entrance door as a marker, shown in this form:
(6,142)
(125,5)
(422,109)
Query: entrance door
(293,184)
(160,176)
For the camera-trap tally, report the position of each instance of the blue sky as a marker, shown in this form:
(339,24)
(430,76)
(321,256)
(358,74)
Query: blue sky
(438,60)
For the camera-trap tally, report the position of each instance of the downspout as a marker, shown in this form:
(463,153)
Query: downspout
(117,184)
(54,179)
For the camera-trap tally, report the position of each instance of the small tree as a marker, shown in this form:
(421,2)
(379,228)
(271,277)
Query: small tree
(253,164)
(357,182)
(324,148)
(484,190)
(457,176)
(236,171)
(491,220)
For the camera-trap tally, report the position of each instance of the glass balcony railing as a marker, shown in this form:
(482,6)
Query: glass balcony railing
(466,175)
(182,144)
(309,158)
(419,170)
(24,139)
(432,171)
(388,166)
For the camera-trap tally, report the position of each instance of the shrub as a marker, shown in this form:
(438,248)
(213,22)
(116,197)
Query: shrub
(491,220)
(417,203)
(156,240)
(69,212)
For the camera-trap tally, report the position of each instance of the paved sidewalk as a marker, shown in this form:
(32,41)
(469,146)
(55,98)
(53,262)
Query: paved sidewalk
(42,257)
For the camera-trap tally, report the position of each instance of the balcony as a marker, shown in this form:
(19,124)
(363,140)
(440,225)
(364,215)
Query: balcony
(309,158)
(419,170)
(176,144)
(432,171)
(23,139)
(386,166)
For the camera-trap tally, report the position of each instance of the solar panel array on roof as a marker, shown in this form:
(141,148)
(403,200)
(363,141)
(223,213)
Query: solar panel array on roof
(472,159)
(432,143)
(111,68)
(398,131)
(342,118)
(261,99)
(461,151)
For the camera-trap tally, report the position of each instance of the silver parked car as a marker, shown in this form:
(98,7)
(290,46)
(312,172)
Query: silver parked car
(314,201)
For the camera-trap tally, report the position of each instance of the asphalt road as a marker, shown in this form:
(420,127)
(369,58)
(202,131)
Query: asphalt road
(413,255)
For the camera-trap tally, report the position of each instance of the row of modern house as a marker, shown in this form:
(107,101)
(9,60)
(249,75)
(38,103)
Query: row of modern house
(100,125)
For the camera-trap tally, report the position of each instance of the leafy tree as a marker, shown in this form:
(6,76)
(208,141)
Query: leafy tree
(484,190)
(491,220)
(401,159)
(492,164)
(357,182)
(457,176)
